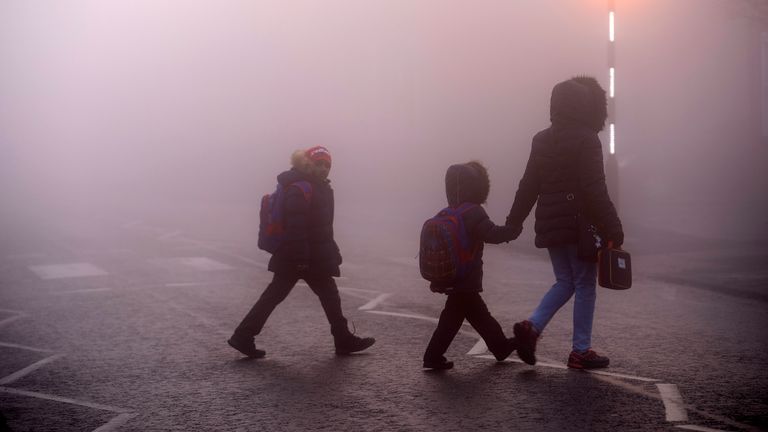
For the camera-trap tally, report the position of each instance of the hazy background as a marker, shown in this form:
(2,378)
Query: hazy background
(184,111)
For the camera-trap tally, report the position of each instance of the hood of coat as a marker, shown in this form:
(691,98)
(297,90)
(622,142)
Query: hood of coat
(467,182)
(580,101)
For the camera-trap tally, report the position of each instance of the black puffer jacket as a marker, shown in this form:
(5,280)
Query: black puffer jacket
(309,248)
(565,169)
(466,183)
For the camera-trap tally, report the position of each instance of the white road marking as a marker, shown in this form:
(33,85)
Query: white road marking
(24,347)
(699,428)
(72,270)
(115,422)
(62,399)
(359,289)
(169,235)
(373,303)
(84,290)
(12,311)
(29,369)
(479,348)
(618,375)
(10,319)
(673,402)
(404,315)
(22,256)
(421,317)
(197,263)
(596,372)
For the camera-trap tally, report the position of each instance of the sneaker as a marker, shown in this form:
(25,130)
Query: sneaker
(350,343)
(587,360)
(441,364)
(511,347)
(245,345)
(526,341)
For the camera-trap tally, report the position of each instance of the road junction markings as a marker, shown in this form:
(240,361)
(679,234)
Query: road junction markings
(123,414)
(669,394)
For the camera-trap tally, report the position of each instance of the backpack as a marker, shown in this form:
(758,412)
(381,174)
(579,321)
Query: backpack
(271,229)
(445,252)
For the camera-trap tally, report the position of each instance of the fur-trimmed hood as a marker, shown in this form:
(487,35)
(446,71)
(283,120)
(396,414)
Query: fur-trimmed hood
(468,182)
(579,100)
(303,164)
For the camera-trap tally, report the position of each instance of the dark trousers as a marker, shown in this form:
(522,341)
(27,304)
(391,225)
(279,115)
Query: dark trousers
(278,290)
(471,306)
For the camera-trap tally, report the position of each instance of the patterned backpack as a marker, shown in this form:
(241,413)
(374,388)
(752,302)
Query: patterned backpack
(271,229)
(445,252)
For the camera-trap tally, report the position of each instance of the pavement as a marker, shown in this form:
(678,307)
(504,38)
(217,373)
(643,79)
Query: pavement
(121,324)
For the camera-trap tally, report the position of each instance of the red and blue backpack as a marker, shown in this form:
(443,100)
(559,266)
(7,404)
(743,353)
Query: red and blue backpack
(271,223)
(446,254)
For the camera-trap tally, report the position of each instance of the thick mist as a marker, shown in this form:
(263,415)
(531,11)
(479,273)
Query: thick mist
(187,110)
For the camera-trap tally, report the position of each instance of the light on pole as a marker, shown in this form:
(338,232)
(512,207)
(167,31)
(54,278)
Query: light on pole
(611,165)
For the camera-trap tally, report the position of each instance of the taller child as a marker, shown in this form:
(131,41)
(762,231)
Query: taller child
(308,252)
(565,175)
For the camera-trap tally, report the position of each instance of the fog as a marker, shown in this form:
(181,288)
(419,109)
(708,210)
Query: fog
(187,110)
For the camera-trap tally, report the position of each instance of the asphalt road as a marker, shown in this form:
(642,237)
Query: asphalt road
(121,325)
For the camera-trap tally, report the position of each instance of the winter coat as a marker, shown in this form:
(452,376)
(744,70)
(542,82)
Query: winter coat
(308,248)
(463,184)
(564,174)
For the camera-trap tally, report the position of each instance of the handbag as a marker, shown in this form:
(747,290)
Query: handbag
(614,268)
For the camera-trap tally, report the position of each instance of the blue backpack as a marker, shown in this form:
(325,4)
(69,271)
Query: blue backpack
(445,252)
(271,228)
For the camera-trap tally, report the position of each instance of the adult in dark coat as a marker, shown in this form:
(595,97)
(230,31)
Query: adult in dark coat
(469,183)
(565,177)
(308,251)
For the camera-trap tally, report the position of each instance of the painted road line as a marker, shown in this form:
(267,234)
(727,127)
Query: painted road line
(421,317)
(373,303)
(479,348)
(24,347)
(699,428)
(115,422)
(71,270)
(618,375)
(223,252)
(29,369)
(169,235)
(10,320)
(62,399)
(84,290)
(673,402)
(562,366)
(514,360)
(11,311)
(360,290)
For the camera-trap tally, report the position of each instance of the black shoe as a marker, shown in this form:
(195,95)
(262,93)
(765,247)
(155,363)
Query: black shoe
(510,348)
(526,341)
(245,345)
(441,364)
(350,343)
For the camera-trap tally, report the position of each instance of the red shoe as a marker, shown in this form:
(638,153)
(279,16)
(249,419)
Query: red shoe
(526,338)
(587,360)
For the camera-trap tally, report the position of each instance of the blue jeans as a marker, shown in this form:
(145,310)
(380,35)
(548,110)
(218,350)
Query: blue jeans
(573,276)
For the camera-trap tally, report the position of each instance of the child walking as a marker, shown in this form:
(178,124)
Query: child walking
(467,187)
(307,252)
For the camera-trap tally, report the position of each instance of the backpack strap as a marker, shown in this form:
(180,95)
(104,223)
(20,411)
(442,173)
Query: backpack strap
(305,187)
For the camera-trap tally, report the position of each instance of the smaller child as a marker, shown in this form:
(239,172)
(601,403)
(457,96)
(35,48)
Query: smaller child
(469,183)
